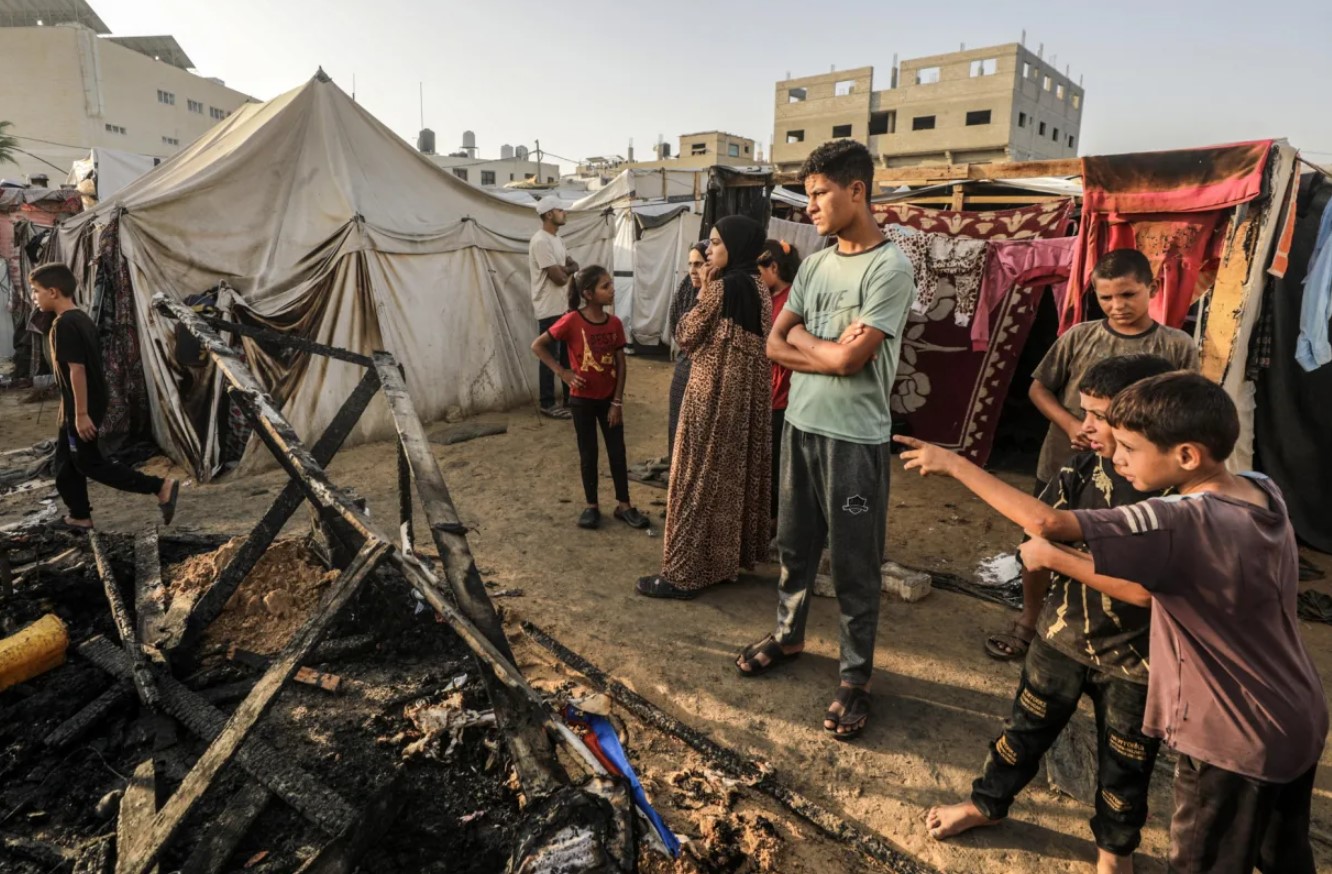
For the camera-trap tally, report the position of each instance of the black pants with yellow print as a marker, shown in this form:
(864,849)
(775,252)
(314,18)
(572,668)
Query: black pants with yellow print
(1046,700)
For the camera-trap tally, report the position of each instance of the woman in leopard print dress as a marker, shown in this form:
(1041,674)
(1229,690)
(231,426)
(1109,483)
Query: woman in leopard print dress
(717,516)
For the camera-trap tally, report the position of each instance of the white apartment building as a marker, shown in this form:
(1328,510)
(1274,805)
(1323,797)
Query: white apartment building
(68,86)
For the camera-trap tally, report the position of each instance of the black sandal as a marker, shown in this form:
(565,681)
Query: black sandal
(657,587)
(854,716)
(168,507)
(1008,646)
(768,647)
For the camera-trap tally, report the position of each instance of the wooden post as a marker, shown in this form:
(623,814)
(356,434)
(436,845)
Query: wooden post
(143,678)
(149,590)
(137,808)
(959,200)
(225,832)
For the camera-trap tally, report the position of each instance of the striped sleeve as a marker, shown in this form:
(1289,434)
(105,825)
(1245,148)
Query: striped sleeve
(1135,541)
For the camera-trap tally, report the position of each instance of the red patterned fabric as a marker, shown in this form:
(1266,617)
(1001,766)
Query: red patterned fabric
(1041,220)
(1172,206)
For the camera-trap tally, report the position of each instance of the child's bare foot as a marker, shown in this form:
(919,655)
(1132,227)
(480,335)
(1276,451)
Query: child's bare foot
(85,524)
(1109,863)
(954,819)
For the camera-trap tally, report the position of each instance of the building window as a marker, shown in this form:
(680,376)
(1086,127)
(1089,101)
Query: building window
(195,106)
(460,172)
(487,177)
(217,114)
(922,122)
(746,148)
(841,131)
(978,116)
(987,67)
(166,97)
(796,95)
(795,136)
(550,180)
(843,88)
(115,129)
(1070,141)
(510,177)
(170,141)
(1059,92)
(733,150)
(1022,119)
(927,75)
(1026,70)
(1077,101)
(1055,136)
(1041,130)
(880,123)
(1045,83)
(698,148)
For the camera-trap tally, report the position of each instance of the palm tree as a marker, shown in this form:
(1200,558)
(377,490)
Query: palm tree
(8,145)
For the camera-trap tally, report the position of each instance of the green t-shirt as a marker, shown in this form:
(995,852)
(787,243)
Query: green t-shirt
(831,291)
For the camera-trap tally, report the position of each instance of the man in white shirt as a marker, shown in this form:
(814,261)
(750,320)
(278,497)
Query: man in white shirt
(551,270)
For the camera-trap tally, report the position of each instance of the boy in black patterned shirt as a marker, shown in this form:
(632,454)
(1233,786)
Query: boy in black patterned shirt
(1085,643)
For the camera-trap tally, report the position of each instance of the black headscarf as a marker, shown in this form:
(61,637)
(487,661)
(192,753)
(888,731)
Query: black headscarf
(744,239)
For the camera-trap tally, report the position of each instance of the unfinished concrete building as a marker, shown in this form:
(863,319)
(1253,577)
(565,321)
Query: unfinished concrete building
(1002,103)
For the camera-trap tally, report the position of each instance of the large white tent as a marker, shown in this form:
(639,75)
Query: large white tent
(329,226)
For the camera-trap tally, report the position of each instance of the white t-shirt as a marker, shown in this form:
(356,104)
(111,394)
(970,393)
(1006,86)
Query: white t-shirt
(548,299)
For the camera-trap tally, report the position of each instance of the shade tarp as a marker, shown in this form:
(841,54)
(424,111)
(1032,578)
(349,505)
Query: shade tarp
(327,225)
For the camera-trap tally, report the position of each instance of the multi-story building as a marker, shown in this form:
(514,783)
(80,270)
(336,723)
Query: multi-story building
(1003,103)
(68,87)
(514,164)
(700,150)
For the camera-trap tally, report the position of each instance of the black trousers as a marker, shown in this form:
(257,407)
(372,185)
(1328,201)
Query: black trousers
(545,376)
(1046,700)
(778,423)
(587,415)
(1226,823)
(77,461)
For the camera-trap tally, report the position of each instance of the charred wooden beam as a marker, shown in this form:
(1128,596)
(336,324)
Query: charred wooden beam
(733,763)
(95,857)
(142,676)
(149,590)
(226,831)
(527,742)
(210,604)
(321,806)
(288,341)
(138,806)
(149,844)
(82,722)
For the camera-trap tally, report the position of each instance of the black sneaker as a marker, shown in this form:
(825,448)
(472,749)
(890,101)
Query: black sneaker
(590,518)
(632,518)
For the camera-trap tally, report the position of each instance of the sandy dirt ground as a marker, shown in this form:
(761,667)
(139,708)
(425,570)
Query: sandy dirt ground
(937,698)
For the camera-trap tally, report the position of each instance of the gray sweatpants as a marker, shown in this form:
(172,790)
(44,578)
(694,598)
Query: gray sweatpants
(836,492)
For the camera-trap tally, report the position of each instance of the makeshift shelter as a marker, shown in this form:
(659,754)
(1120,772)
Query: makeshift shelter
(25,213)
(322,224)
(110,171)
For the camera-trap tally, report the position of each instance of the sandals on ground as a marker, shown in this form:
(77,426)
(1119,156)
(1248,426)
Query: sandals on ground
(556,412)
(1007,646)
(632,518)
(854,716)
(658,587)
(770,649)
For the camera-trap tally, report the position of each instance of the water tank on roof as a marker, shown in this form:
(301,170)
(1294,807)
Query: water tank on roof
(520,153)
(506,152)
(425,141)
(469,143)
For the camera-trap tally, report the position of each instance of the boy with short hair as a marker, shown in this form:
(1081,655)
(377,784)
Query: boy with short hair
(1084,645)
(76,358)
(1124,287)
(1232,687)
(840,334)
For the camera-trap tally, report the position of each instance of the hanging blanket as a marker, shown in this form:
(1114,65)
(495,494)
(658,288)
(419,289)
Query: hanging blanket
(1174,207)
(127,412)
(946,392)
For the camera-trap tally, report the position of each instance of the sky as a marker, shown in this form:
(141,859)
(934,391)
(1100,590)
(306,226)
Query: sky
(586,76)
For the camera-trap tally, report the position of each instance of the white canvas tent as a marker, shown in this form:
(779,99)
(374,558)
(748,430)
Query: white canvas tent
(328,225)
(655,217)
(114,170)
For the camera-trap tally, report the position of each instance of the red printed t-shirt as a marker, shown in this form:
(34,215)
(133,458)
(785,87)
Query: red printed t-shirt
(781,377)
(1230,682)
(592,348)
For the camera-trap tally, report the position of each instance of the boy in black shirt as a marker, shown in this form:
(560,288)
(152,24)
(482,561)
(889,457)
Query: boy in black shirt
(76,358)
(1085,643)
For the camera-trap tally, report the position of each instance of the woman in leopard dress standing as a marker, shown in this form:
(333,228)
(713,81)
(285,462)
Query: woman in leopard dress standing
(717,506)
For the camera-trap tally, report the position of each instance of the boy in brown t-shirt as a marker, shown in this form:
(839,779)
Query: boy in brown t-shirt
(1124,287)
(1232,687)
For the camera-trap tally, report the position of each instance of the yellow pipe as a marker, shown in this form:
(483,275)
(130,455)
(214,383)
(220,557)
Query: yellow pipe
(33,651)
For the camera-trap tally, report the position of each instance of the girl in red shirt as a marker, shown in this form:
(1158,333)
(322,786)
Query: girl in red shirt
(777,270)
(595,342)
